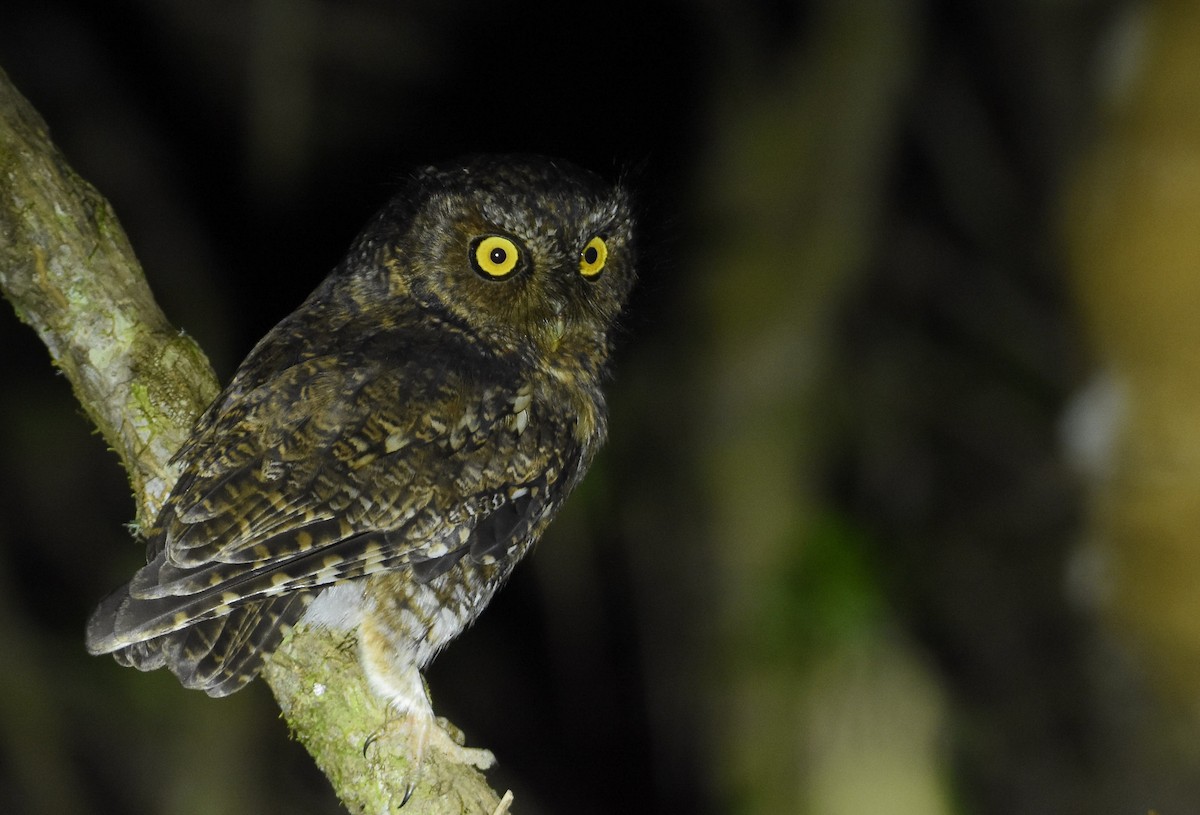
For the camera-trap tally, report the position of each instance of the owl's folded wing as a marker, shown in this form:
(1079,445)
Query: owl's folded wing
(329,474)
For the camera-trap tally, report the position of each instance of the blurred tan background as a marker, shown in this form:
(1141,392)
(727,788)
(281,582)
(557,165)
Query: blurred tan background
(901,508)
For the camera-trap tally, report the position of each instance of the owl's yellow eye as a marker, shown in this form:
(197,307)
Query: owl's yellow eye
(495,257)
(592,258)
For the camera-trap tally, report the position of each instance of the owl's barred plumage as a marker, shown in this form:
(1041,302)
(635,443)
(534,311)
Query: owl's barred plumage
(387,453)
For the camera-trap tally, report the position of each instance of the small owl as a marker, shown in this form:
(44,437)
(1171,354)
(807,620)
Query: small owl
(387,453)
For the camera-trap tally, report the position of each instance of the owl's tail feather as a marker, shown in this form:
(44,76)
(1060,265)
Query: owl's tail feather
(218,656)
(143,610)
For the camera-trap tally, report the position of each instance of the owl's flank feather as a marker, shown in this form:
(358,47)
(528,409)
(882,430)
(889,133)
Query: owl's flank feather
(389,451)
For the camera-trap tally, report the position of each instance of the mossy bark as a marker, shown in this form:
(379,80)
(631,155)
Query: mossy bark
(70,273)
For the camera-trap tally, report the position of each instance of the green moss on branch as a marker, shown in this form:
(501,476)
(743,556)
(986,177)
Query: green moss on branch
(69,272)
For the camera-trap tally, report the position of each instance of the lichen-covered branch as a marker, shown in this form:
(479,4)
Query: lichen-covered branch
(69,272)
(317,681)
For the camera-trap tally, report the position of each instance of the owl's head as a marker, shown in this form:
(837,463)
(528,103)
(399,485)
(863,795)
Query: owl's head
(530,252)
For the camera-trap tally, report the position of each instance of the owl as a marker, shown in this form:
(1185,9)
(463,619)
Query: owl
(388,452)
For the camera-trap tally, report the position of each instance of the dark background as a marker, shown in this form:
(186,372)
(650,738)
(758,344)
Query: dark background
(834,558)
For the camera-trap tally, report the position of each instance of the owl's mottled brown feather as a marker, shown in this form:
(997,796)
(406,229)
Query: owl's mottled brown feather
(406,435)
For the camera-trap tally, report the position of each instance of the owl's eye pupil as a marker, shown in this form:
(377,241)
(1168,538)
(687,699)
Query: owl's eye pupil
(590,255)
(498,256)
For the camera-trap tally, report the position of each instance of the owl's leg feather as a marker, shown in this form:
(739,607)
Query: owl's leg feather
(408,698)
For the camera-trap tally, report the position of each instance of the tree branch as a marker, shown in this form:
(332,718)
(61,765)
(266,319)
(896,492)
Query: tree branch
(70,273)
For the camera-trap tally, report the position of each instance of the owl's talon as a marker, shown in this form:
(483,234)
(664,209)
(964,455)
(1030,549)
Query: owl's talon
(409,789)
(370,740)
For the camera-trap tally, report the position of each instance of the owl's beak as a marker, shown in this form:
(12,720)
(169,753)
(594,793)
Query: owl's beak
(557,329)
(556,324)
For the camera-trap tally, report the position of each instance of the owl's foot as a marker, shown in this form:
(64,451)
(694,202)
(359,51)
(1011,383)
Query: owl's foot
(422,732)
(419,736)
(449,741)
(411,731)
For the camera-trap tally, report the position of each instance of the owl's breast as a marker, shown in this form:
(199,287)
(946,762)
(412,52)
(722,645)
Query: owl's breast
(568,386)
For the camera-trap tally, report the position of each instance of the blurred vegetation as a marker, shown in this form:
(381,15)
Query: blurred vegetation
(899,510)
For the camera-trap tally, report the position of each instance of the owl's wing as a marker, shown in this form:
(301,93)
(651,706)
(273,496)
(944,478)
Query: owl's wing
(325,474)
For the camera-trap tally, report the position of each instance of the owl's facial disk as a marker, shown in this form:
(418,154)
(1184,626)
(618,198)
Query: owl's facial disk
(550,290)
(540,256)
